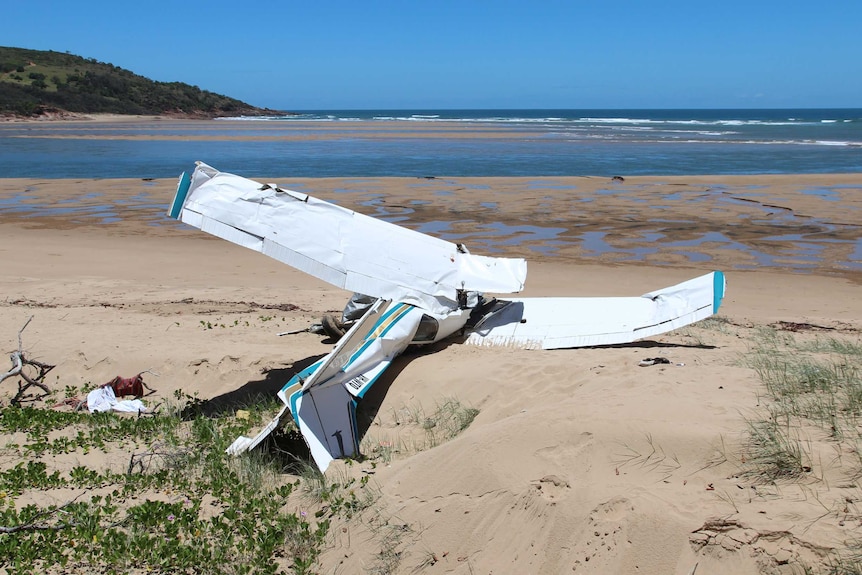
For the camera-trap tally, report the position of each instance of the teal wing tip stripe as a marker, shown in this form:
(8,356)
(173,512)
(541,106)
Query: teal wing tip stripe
(719,284)
(180,197)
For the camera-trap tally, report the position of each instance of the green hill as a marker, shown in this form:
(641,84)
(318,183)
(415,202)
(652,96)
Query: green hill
(35,82)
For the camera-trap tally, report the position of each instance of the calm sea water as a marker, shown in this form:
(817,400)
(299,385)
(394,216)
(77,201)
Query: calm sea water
(534,143)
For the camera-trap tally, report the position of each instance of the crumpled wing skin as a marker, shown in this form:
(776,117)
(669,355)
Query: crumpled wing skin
(349,250)
(553,323)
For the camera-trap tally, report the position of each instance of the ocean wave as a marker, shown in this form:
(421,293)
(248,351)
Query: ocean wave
(282,118)
(630,122)
(568,136)
(694,122)
(672,122)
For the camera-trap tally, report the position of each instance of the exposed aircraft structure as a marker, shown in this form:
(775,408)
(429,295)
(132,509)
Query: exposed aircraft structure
(427,289)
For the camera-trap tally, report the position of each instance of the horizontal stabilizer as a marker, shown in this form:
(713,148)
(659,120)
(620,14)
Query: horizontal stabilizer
(242,443)
(553,323)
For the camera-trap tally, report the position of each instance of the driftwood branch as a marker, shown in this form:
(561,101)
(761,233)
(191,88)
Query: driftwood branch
(19,362)
(38,522)
(161,456)
(149,389)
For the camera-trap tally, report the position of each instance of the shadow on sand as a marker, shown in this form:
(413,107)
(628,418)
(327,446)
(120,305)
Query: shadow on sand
(288,445)
(252,392)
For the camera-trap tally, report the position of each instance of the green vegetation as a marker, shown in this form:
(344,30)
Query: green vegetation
(109,493)
(33,82)
(173,507)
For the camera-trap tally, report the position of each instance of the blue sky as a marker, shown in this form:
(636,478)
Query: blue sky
(335,54)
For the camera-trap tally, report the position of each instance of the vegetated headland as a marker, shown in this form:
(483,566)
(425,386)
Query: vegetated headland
(48,84)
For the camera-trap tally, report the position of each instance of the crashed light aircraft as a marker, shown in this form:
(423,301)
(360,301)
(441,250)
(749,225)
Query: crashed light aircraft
(426,290)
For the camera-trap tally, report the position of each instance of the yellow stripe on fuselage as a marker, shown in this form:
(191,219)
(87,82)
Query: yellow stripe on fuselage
(400,310)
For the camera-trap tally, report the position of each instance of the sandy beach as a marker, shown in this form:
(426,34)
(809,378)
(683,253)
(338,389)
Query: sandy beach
(579,461)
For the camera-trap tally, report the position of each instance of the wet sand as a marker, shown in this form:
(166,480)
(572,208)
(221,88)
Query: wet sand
(793,223)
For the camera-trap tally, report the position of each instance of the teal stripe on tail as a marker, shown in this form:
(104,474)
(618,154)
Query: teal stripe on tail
(180,197)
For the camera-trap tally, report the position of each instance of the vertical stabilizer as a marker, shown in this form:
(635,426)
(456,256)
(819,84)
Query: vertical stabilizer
(327,420)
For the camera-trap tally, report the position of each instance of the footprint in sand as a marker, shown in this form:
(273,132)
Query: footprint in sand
(551,487)
(571,450)
(612,510)
(604,530)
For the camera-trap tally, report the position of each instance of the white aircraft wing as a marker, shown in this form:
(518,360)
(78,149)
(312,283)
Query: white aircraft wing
(347,249)
(553,323)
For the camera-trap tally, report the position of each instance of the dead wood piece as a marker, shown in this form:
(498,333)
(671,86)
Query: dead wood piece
(19,363)
(161,455)
(802,326)
(39,521)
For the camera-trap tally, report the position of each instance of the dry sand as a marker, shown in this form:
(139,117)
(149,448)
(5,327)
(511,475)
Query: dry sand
(579,460)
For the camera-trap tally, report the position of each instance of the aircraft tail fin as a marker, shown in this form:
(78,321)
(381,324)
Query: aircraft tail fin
(322,398)
(327,420)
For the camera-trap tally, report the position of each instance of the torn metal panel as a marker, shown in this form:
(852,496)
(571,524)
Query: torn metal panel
(242,443)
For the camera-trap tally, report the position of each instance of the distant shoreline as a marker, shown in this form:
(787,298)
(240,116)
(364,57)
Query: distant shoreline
(77,117)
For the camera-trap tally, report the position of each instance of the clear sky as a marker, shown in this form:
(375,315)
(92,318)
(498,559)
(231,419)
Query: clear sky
(336,54)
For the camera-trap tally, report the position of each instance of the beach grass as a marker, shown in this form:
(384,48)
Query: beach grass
(811,406)
(411,429)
